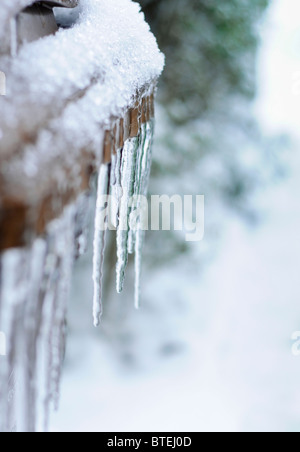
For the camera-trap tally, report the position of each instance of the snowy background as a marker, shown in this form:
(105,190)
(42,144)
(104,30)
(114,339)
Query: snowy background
(211,348)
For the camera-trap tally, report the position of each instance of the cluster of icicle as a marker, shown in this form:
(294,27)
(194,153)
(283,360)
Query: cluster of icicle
(35,284)
(34,290)
(125,178)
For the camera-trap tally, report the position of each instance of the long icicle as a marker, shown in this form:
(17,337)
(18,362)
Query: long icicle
(127,181)
(147,138)
(137,184)
(99,242)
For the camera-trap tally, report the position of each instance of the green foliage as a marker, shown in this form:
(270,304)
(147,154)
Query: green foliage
(210,47)
(207,140)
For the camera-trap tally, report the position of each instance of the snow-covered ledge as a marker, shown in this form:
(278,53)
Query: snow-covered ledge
(75,100)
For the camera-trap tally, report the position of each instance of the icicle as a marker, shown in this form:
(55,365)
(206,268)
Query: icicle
(35,283)
(99,242)
(127,182)
(137,265)
(54,295)
(51,293)
(32,321)
(131,232)
(14,294)
(118,191)
(64,238)
(115,188)
(142,189)
(82,226)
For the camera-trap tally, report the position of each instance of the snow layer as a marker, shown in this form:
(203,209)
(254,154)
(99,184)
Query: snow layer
(72,84)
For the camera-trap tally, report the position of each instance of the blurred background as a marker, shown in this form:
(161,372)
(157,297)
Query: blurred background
(211,348)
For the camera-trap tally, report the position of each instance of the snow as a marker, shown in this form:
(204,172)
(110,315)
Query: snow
(229,328)
(76,81)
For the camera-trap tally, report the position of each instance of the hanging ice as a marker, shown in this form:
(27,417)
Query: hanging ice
(99,242)
(13,37)
(135,177)
(142,189)
(36,282)
(115,188)
(128,171)
(129,177)
(72,83)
